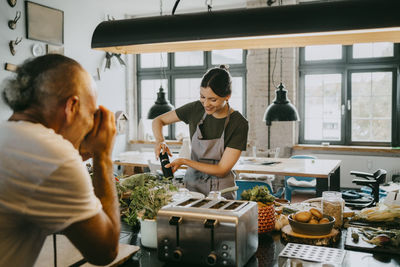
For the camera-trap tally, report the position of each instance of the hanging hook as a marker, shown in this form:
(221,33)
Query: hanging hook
(108,61)
(208,3)
(12,3)
(12,24)
(13,44)
(120,60)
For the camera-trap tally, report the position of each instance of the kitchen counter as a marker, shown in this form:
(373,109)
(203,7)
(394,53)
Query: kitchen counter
(269,247)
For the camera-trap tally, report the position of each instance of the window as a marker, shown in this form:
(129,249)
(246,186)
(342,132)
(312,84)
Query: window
(180,75)
(349,94)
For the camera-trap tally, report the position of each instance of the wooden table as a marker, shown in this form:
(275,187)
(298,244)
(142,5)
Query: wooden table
(326,171)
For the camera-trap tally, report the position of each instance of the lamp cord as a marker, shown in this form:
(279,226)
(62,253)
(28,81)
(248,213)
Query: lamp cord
(269,97)
(208,4)
(55,249)
(281,61)
(273,69)
(162,72)
(175,6)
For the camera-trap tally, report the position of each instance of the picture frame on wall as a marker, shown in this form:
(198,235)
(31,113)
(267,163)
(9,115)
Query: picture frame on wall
(44,23)
(54,49)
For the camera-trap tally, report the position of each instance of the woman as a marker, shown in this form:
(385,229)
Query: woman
(218,135)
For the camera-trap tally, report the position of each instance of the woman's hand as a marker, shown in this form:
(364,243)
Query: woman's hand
(176,164)
(161,147)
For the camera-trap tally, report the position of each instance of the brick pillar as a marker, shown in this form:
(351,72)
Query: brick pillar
(283,134)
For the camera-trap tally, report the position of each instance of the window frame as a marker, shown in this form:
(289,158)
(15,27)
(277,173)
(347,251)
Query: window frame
(346,67)
(170,72)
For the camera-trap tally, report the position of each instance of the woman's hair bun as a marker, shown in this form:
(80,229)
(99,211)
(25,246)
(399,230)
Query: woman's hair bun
(224,67)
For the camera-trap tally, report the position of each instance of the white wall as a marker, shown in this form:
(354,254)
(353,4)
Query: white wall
(80,20)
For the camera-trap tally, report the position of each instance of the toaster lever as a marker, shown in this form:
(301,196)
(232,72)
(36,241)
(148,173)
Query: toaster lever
(175,220)
(209,223)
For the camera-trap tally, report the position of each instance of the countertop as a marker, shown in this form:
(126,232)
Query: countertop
(270,245)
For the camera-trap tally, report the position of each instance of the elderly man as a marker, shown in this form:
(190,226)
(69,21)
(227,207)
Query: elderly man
(44,185)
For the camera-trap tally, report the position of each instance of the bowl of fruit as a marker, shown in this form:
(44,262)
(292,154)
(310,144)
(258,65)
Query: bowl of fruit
(311,222)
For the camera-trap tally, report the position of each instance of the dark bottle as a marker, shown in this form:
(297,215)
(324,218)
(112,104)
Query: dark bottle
(167,172)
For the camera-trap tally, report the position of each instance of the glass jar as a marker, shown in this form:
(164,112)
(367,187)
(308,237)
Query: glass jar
(333,205)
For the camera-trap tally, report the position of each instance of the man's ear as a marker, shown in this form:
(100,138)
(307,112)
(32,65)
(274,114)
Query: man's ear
(71,108)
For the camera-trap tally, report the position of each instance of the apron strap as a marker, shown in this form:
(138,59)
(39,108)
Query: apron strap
(225,124)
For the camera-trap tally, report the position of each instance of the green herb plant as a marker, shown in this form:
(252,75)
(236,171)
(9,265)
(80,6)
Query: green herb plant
(142,196)
(258,194)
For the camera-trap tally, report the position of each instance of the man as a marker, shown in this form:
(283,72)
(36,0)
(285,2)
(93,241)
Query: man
(44,185)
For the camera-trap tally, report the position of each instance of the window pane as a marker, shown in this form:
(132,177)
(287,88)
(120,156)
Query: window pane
(323,52)
(186,90)
(371,50)
(153,60)
(322,107)
(148,95)
(191,58)
(236,100)
(228,56)
(371,111)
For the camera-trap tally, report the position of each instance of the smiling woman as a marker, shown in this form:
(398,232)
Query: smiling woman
(218,135)
(181,77)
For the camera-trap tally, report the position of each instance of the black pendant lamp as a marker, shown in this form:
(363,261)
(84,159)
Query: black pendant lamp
(281,109)
(161,105)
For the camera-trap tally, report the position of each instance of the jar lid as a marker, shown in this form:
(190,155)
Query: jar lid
(331,195)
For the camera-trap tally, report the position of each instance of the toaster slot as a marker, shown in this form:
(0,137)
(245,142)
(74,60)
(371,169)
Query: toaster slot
(234,205)
(187,202)
(219,204)
(201,203)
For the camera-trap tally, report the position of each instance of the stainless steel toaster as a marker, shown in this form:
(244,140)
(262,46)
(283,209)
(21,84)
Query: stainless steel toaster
(208,232)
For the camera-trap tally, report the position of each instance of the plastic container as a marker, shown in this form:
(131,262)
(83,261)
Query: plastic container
(148,233)
(333,205)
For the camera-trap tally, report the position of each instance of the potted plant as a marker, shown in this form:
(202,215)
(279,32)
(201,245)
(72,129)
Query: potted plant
(141,197)
(266,210)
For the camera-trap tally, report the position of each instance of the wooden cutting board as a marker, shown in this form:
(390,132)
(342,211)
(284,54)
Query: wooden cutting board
(364,246)
(319,240)
(68,255)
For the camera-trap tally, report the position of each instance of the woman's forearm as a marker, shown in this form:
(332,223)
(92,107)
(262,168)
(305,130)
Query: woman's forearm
(228,160)
(157,126)
(211,169)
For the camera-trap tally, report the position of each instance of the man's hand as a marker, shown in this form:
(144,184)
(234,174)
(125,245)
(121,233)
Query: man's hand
(100,140)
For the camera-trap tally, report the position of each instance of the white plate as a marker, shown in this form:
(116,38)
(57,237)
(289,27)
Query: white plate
(38,50)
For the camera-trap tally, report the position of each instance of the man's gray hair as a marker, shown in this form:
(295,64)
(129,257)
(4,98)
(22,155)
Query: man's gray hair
(38,79)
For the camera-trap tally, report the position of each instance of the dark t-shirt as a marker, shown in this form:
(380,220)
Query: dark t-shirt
(235,133)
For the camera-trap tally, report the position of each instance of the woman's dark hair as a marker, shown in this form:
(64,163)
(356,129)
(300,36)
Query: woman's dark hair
(38,78)
(219,80)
